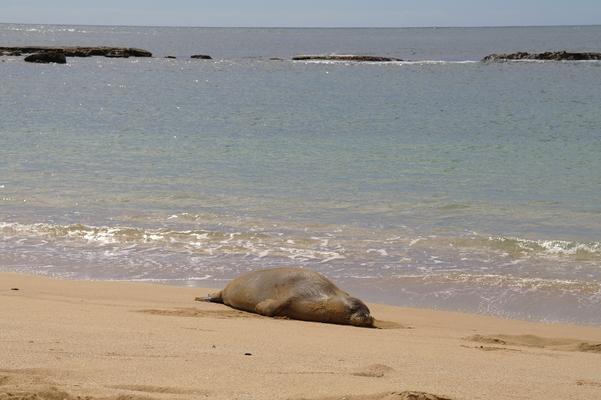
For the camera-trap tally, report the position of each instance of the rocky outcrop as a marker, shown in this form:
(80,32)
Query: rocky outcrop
(356,58)
(58,58)
(201,57)
(547,56)
(77,51)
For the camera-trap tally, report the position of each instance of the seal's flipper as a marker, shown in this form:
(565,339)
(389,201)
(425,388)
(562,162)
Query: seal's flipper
(271,307)
(212,298)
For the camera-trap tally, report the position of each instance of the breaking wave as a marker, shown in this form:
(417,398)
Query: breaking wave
(547,247)
(198,241)
(516,247)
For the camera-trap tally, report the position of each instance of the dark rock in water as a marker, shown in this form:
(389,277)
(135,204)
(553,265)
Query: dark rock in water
(201,57)
(77,51)
(547,56)
(276,59)
(171,57)
(58,58)
(357,58)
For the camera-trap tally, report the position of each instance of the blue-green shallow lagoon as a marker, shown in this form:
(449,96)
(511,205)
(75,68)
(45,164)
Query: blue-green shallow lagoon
(446,183)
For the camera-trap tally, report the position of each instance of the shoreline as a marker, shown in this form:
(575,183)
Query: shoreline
(209,285)
(417,308)
(109,339)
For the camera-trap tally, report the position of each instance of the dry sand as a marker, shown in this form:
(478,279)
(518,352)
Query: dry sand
(68,339)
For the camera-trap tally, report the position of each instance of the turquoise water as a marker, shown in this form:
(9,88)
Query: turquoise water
(442,183)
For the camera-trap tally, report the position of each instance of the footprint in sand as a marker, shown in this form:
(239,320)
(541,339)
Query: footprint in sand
(589,348)
(494,348)
(53,393)
(538,342)
(200,313)
(406,395)
(414,396)
(588,383)
(34,384)
(159,389)
(373,371)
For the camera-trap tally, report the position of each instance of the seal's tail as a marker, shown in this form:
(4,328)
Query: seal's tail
(212,298)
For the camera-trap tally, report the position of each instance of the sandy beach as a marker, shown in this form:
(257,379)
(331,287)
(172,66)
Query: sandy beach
(66,339)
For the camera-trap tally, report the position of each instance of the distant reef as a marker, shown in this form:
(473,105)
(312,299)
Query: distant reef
(78,51)
(58,58)
(357,58)
(547,56)
(201,57)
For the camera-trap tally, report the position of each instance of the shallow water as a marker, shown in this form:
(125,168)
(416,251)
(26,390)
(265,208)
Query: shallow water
(448,183)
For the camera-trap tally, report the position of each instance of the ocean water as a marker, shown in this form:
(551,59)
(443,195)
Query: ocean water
(440,182)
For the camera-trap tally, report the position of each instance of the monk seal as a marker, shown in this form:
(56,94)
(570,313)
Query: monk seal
(294,293)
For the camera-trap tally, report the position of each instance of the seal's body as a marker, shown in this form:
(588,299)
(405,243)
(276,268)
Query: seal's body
(293,293)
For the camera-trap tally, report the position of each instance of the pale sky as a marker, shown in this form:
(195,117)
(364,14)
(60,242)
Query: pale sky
(303,13)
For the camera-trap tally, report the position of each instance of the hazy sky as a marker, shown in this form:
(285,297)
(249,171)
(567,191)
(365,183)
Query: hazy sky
(303,12)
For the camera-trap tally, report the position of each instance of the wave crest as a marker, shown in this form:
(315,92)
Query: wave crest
(258,244)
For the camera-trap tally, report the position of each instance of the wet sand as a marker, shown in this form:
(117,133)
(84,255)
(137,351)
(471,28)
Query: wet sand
(62,339)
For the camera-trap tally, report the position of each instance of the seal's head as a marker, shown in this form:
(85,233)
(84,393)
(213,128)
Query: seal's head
(347,310)
(359,313)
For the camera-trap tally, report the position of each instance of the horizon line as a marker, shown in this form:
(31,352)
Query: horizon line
(308,27)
